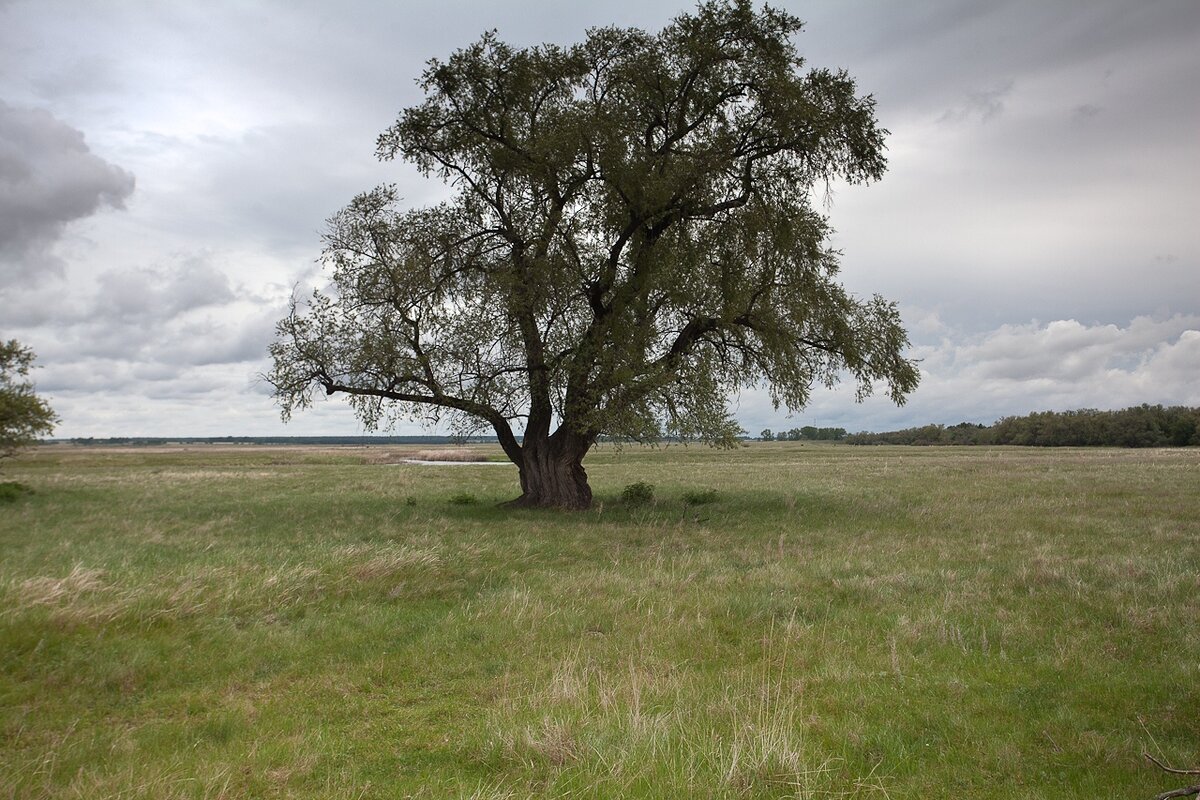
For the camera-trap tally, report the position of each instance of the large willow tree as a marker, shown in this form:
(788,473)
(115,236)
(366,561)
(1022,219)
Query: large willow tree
(631,239)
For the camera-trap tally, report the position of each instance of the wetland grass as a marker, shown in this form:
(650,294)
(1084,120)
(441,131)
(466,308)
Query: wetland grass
(828,622)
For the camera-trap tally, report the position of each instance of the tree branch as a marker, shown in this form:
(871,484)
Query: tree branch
(1186,791)
(499,423)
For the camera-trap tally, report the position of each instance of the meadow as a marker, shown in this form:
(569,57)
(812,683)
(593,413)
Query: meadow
(781,620)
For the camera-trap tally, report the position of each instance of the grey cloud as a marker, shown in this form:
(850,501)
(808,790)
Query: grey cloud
(132,296)
(48,178)
(87,376)
(146,295)
(104,381)
(1074,202)
(1084,112)
(984,105)
(232,336)
(155,322)
(150,360)
(208,341)
(920,53)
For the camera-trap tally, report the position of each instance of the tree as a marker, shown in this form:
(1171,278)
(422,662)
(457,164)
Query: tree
(631,239)
(23,415)
(766,435)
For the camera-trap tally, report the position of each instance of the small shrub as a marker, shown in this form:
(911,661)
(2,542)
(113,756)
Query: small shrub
(10,491)
(638,494)
(700,497)
(410,501)
(463,499)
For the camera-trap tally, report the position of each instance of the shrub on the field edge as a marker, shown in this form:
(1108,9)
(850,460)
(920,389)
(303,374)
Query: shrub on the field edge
(638,494)
(11,491)
(700,497)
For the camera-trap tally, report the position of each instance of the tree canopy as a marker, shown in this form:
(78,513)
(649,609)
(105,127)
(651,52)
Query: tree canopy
(631,239)
(24,416)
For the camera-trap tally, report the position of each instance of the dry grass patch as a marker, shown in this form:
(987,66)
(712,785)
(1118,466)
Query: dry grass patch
(368,563)
(47,591)
(458,455)
(82,597)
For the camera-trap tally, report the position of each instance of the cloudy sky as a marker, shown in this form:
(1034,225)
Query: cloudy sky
(166,168)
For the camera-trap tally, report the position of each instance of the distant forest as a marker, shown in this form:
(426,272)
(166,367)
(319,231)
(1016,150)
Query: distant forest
(1140,426)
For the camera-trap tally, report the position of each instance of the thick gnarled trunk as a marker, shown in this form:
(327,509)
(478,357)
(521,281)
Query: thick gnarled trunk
(552,474)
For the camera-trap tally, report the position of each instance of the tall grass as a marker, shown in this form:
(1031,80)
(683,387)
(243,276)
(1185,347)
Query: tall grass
(829,622)
(455,454)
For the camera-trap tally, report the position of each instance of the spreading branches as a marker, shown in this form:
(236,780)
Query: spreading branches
(629,242)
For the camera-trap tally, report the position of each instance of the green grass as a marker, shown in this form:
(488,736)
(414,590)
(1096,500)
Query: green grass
(828,622)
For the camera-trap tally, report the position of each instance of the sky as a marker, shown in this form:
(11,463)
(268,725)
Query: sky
(166,169)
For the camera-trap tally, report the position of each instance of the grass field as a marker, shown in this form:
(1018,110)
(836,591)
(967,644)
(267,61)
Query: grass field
(781,621)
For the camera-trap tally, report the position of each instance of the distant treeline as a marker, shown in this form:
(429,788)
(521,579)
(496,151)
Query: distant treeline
(807,433)
(1140,426)
(148,441)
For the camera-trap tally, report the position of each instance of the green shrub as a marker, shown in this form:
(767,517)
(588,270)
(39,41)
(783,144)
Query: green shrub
(638,494)
(10,491)
(700,497)
(463,499)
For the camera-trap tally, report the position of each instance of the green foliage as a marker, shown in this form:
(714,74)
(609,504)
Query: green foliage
(24,417)
(812,434)
(11,491)
(1138,426)
(638,494)
(462,499)
(630,240)
(700,497)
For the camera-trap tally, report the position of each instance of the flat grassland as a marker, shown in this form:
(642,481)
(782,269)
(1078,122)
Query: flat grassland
(782,620)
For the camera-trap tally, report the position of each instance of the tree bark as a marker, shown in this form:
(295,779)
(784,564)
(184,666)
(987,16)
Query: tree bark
(552,473)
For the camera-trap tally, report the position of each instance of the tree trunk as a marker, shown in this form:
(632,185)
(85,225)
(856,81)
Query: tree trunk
(552,474)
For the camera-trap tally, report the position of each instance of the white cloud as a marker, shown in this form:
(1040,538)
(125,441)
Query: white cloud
(1018,369)
(141,326)
(152,295)
(1067,352)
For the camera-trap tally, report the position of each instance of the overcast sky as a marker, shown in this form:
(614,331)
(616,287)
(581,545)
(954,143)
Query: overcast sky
(166,169)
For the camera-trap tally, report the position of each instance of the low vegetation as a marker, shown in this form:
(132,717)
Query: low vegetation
(1137,426)
(638,494)
(460,454)
(834,622)
(10,491)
